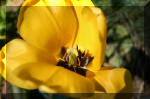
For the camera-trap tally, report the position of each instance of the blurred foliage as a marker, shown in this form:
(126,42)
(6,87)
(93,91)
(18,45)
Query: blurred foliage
(2,25)
(120,2)
(2,18)
(125,30)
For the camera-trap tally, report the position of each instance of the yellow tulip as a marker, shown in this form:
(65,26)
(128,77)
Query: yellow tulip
(46,30)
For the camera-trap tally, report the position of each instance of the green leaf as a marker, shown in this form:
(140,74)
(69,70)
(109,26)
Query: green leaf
(116,60)
(121,31)
(126,47)
(111,48)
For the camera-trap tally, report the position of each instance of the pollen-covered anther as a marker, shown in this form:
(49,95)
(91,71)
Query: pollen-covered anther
(75,60)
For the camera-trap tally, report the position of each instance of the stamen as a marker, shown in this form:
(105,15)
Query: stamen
(64,56)
(76,62)
(79,61)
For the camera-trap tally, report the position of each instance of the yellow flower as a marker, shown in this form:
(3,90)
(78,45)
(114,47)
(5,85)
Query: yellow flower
(46,30)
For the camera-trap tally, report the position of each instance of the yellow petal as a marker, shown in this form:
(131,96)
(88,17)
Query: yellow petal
(18,52)
(48,2)
(81,2)
(47,28)
(66,81)
(70,2)
(90,36)
(114,80)
(102,28)
(55,79)
(3,62)
(58,2)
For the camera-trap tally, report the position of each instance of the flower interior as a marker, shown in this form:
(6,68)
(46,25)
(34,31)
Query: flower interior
(75,60)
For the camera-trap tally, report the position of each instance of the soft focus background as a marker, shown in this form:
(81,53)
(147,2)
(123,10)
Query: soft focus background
(127,42)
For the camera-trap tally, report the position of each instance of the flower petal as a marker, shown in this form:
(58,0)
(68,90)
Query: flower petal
(18,52)
(90,36)
(3,62)
(70,2)
(114,80)
(65,81)
(55,79)
(82,2)
(45,27)
(102,29)
(29,68)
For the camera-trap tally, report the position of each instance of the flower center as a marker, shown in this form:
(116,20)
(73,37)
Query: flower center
(75,60)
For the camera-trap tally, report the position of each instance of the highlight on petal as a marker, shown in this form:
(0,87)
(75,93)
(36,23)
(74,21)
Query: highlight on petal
(114,80)
(46,27)
(54,79)
(18,52)
(90,36)
(102,28)
(81,2)
(47,3)
(68,2)
(59,2)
